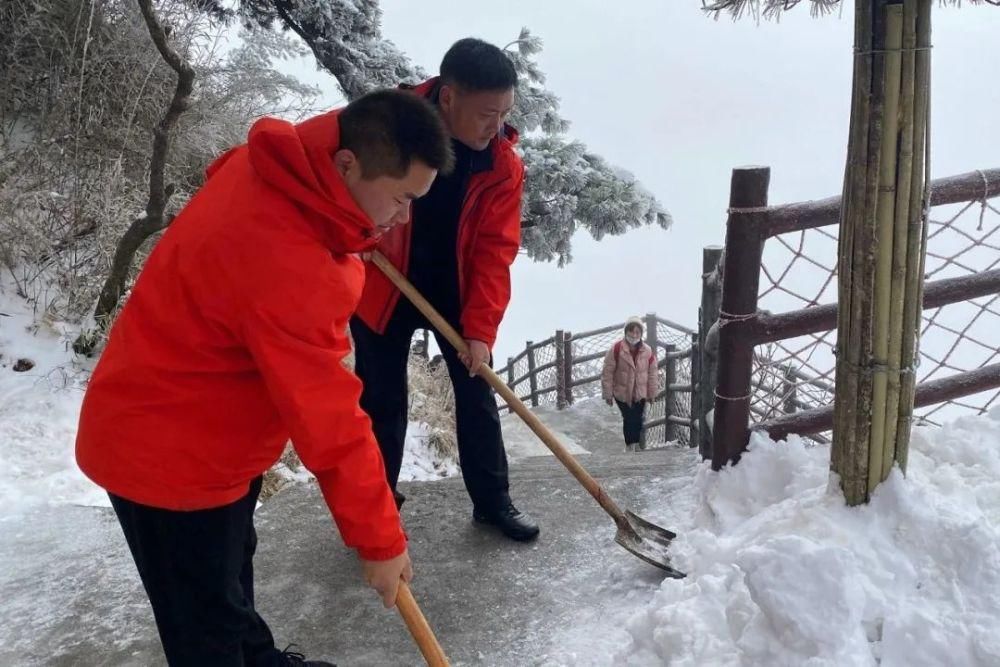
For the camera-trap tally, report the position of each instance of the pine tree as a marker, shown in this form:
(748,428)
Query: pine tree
(567,189)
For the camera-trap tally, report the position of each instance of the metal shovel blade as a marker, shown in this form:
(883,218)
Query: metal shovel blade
(647,541)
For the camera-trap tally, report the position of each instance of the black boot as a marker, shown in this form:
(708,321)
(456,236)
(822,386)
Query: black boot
(512,522)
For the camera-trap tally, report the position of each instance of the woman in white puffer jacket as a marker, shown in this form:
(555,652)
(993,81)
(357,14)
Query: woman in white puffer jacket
(630,379)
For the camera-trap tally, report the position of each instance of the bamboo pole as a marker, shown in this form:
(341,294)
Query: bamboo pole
(865,253)
(854,387)
(900,244)
(885,217)
(845,459)
(917,241)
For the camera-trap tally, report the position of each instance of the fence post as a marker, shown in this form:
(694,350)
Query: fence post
(740,284)
(651,332)
(671,431)
(532,378)
(510,373)
(568,365)
(694,439)
(708,350)
(652,339)
(789,390)
(560,370)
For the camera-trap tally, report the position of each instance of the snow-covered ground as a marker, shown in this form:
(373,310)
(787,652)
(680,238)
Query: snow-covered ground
(781,572)
(38,414)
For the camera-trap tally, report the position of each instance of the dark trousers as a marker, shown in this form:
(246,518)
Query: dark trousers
(380,362)
(632,416)
(197,569)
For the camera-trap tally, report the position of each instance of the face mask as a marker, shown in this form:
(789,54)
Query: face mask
(632,339)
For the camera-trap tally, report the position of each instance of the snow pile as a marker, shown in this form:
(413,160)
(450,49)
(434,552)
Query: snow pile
(39,408)
(781,572)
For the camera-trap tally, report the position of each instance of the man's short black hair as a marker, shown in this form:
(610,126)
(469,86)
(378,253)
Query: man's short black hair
(477,66)
(389,129)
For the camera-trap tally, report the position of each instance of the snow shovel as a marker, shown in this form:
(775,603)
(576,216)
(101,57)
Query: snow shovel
(419,628)
(642,538)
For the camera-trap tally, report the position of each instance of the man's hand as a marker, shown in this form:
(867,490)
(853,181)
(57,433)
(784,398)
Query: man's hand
(384,576)
(479,354)
(609,401)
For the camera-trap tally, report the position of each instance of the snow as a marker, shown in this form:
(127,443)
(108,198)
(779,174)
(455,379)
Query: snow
(38,414)
(781,572)
(420,462)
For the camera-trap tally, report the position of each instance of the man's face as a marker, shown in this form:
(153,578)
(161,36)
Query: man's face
(474,118)
(385,199)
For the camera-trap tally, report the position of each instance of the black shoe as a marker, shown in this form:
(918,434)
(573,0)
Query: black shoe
(512,522)
(399,498)
(289,658)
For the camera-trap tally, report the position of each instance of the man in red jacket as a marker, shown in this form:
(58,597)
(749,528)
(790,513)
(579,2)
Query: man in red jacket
(232,342)
(458,251)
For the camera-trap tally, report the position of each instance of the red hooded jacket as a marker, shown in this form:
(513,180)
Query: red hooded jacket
(489,235)
(233,341)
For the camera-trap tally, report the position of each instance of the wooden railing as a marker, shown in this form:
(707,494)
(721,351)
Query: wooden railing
(732,326)
(566,367)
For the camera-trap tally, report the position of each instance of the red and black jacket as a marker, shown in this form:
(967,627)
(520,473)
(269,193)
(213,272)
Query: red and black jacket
(489,235)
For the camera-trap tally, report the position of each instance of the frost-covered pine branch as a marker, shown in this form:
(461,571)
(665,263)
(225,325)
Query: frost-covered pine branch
(567,188)
(773,9)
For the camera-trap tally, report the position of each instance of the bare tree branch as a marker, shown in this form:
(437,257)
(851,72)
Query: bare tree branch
(155,219)
(158,195)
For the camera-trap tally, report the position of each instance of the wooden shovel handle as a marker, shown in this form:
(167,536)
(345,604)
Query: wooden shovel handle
(419,628)
(515,403)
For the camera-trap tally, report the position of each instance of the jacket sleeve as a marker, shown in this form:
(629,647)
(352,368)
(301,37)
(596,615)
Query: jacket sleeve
(653,379)
(498,239)
(608,375)
(297,336)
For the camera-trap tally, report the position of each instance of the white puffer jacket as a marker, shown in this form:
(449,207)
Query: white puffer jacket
(630,374)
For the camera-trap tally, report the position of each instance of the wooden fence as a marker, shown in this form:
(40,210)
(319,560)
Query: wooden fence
(566,368)
(732,326)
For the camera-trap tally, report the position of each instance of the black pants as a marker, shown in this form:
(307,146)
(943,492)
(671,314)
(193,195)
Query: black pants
(197,569)
(380,362)
(632,416)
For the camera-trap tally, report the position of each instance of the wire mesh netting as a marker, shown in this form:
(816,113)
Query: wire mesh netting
(534,368)
(674,402)
(588,360)
(799,271)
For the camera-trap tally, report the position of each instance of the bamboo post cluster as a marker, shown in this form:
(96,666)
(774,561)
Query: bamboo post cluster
(882,237)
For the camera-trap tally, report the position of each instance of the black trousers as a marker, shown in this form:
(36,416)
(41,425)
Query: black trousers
(380,362)
(197,569)
(632,416)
